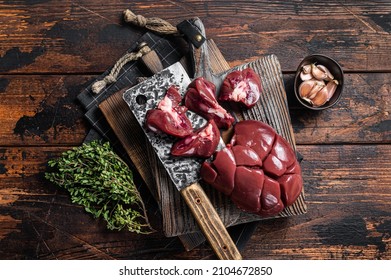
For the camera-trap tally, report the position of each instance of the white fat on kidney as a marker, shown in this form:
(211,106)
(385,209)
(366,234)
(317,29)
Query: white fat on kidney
(166,105)
(220,112)
(239,92)
(207,133)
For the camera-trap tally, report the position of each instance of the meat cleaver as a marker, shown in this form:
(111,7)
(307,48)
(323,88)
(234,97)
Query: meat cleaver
(183,171)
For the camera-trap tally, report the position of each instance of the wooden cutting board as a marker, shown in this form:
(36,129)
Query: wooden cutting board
(177,219)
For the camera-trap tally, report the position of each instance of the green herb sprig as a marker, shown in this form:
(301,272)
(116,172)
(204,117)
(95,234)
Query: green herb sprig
(100,181)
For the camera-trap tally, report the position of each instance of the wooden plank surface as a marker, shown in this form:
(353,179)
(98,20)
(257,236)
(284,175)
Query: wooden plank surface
(51,49)
(347,190)
(50,36)
(41,109)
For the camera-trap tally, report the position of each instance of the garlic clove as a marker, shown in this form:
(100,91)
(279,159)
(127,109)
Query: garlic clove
(306,87)
(318,73)
(306,69)
(325,93)
(320,98)
(305,76)
(319,85)
(329,76)
(308,100)
(331,87)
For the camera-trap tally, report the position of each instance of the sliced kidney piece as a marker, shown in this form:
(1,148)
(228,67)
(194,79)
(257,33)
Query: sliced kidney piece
(200,98)
(201,143)
(169,117)
(241,86)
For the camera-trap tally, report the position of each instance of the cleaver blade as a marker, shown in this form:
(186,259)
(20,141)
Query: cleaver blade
(183,171)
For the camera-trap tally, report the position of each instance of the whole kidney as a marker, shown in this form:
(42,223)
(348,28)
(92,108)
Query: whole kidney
(258,170)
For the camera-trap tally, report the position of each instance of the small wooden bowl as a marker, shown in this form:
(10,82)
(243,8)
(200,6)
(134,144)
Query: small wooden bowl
(334,69)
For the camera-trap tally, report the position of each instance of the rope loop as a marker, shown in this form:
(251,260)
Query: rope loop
(98,86)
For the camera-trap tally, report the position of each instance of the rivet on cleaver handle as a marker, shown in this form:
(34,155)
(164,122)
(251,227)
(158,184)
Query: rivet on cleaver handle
(183,171)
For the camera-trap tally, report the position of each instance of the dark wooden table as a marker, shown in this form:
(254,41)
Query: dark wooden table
(51,50)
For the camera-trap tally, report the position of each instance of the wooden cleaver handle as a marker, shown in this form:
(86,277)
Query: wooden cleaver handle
(210,223)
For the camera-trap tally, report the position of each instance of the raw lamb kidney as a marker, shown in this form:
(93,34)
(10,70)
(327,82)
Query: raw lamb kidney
(200,98)
(201,143)
(241,86)
(258,170)
(169,117)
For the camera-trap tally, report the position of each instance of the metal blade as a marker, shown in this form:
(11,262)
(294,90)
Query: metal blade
(145,96)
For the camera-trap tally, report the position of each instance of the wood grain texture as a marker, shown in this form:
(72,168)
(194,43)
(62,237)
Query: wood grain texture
(348,195)
(41,110)
(357,36)
(50,50)
(51,226)
(37,110)
(361,116)
(349,207)
(347,190)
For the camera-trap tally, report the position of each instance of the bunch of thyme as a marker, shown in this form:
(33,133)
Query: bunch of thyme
(100,181)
